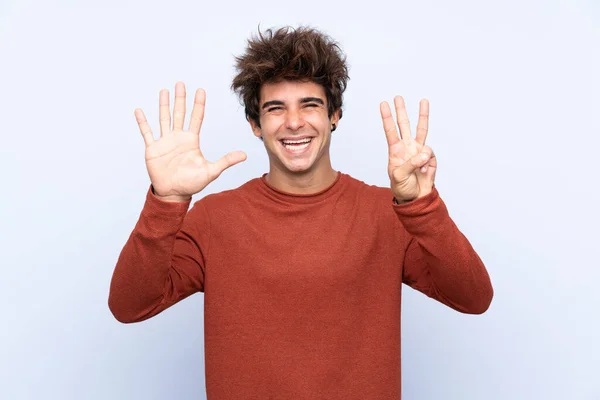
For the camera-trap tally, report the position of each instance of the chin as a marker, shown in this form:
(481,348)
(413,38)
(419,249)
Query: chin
(297,168)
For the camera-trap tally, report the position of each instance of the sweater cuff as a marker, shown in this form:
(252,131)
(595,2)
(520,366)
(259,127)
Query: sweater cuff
(156,205)
(159,217)
(424,214)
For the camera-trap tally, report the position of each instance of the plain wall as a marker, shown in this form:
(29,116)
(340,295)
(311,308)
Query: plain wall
(513,87)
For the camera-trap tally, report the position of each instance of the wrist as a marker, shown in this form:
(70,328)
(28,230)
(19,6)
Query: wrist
(419,196)
(171,198)
(396,201)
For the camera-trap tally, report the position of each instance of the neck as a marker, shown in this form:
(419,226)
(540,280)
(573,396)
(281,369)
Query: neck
(301,183)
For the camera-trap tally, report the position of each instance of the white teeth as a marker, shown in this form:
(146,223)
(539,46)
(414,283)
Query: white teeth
(296,147)
(301,141)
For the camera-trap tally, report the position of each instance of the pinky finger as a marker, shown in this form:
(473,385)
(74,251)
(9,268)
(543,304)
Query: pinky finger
(144,127)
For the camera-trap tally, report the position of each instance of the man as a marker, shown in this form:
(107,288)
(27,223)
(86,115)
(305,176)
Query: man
(302,267)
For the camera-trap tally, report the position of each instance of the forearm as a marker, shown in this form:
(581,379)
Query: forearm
(142,282)
(443,262)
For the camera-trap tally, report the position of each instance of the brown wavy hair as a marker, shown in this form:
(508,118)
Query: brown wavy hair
(303,54)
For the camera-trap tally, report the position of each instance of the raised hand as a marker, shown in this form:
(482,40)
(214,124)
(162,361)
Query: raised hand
(176,166)
(412,164)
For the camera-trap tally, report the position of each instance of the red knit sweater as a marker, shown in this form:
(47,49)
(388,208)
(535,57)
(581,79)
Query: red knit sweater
(302,292)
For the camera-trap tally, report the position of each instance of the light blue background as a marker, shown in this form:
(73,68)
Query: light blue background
(513,87)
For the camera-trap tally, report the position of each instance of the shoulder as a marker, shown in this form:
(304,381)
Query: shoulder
(228,198)
(368,192)
(375,202)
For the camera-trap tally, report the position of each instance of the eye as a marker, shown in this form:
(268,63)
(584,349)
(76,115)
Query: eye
(273,109)
(312,105)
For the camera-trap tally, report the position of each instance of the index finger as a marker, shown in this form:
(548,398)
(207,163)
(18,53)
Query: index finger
(198,111)
(389,126)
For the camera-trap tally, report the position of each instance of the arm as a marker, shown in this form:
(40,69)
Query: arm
(439,260)
(163,260)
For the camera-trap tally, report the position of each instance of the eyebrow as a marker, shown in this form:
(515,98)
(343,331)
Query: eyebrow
(302,101)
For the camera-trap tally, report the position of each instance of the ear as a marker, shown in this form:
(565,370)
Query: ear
(255,128)
(335,118)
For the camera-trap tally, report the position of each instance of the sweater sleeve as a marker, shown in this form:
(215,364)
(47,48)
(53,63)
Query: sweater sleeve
(439,260)
(162,261)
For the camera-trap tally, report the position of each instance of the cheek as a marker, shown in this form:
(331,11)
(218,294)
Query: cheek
(318,122)
(270,126)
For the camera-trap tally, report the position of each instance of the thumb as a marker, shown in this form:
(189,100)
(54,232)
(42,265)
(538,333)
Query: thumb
(228,160)
(405,170)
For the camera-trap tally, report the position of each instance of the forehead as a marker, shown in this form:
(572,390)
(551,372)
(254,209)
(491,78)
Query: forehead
(290,91)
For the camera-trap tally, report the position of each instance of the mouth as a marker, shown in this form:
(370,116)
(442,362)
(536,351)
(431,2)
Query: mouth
(296,145)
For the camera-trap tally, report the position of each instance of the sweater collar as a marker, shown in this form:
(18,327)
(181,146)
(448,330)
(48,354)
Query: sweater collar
(304,198)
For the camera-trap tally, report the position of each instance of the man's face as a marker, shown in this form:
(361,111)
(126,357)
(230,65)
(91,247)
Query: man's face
(295,127)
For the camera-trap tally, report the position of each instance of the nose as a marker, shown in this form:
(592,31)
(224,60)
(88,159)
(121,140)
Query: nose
(294,120)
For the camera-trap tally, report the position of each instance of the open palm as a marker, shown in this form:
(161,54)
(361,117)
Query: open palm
(175,164)
(412,164)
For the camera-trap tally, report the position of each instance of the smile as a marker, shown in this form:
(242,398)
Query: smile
(296,146)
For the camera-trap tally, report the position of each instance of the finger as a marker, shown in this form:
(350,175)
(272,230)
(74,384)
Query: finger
(198,111)
(403,122)
(415,162)
(164,113)
(427,151)
(179,107)
(389,126)
(431,168)
(144,127)
(227,161)
(423,124)
(431,160)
